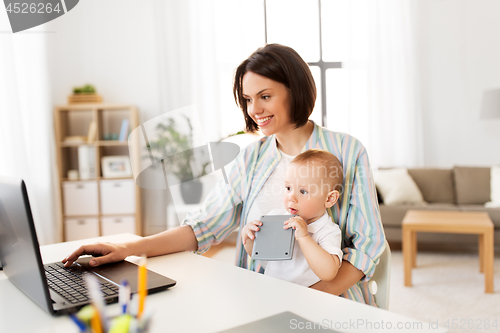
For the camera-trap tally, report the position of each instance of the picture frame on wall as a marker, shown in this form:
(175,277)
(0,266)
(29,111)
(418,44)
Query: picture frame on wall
(116,166)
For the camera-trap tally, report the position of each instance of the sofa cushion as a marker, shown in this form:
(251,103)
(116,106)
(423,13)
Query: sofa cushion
(393,215)
(396,187)
(494,187)
(436,185)
(494,213)
(472,185)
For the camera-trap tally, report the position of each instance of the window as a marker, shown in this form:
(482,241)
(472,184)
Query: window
(316,30)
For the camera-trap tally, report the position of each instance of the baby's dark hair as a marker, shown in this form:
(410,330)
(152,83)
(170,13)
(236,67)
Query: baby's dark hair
(324,164)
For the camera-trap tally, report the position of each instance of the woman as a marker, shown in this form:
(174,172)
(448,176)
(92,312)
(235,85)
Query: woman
(276,92)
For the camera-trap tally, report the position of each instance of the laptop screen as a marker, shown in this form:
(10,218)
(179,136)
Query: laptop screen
(19,248)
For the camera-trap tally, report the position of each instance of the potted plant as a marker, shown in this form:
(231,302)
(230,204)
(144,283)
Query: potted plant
(84,94)
(175,149)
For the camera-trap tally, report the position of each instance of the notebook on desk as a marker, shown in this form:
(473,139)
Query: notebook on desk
(54,288)
(280,323)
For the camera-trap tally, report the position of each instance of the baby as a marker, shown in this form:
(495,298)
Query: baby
(312,183)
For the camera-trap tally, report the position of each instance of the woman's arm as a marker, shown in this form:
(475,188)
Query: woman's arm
(195,235)
(357,214)
(170,241)
(347,276)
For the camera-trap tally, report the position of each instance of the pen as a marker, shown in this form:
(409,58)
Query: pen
(144,321)
(142,284)
(95,323)
(78,323)
(98,303)
(124,295)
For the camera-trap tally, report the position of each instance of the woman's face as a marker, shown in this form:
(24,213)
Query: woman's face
(268,103)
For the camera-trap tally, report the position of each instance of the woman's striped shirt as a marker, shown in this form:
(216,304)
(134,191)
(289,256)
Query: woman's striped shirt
(357,212)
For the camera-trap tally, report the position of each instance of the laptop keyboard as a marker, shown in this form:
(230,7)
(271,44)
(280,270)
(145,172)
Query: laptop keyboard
(70,283)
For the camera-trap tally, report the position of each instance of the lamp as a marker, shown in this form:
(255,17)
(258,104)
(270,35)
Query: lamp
(490,106)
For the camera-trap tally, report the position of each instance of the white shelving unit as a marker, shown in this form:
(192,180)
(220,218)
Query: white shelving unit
(95,206)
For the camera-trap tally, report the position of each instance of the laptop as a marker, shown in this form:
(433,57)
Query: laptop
(54,288)
(283,322)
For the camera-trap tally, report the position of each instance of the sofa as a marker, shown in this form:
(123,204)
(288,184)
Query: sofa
(456,189)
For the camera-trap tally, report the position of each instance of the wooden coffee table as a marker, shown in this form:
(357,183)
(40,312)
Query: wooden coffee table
(449,222)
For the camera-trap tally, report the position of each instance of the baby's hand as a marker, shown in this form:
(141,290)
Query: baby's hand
(249,231)
(299,225)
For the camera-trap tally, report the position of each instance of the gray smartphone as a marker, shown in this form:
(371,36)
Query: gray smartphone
(272,242)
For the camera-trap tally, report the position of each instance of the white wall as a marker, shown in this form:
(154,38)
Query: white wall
(459,52)
(112,45)
(459,57)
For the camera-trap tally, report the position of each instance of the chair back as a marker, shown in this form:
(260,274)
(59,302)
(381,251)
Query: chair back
(381,280)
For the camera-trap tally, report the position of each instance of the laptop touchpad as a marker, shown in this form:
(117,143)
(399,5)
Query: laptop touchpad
(125,270)
(115,272)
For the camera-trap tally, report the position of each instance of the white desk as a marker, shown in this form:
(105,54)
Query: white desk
(209,296)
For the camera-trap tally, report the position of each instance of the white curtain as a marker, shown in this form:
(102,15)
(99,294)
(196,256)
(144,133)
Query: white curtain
(200,43)
(374,97)
(223,34)
(26,130)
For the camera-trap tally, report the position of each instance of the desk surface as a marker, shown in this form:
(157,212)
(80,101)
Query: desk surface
(209,296)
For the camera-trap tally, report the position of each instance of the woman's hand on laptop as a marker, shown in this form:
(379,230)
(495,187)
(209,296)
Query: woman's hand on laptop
(103,253)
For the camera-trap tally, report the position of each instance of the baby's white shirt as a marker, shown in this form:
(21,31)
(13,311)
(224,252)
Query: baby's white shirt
(271,194)
(325,233)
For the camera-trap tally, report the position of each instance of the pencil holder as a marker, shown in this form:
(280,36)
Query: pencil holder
(89,321)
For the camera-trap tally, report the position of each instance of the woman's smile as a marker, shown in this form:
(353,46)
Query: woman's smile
(264,121)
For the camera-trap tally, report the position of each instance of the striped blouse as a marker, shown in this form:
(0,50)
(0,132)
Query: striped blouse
(357,212)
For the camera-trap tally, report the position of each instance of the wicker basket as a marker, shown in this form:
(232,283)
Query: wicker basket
(84,98)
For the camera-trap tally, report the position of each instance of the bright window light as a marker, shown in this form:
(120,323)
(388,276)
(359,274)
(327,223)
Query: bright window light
(295,23)
(335,29)
(316,115)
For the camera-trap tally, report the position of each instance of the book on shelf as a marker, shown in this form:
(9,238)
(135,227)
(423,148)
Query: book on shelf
(124,130)
(75,139)
(86,162)
(92,132)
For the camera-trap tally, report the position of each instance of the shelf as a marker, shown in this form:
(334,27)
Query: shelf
(81,108)
(110,143)
(97,106)
(73,144)
(67,180)
(76,217)
(91,199)
(116,215)
(117,178)
(98,215)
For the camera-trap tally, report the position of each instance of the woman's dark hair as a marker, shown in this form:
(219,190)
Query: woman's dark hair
(284,65)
